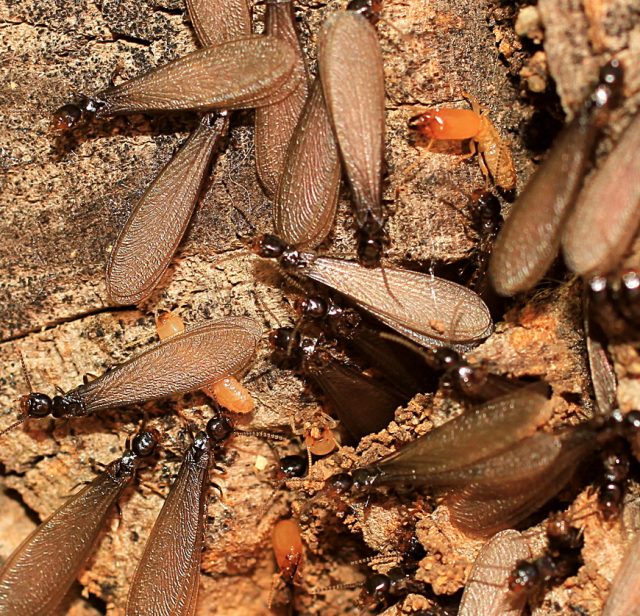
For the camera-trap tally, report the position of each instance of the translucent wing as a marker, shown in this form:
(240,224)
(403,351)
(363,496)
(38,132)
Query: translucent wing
(236,75)
(167,578)
(187,362)
(427,309)
(275,123)
(362,404)
(352,77)
(448,454)
(219,22)
(605,219)
(624,598)
(486,592)
(516,483)
(39,573)
(530,237)
(305,206)
(156,225)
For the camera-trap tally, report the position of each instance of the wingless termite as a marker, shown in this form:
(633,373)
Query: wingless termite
(429,310)
(530,237)
(350,63)
(37,576)
(203,354)
(243,74)
(473,125)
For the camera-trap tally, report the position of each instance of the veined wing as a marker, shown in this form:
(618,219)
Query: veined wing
(183,363)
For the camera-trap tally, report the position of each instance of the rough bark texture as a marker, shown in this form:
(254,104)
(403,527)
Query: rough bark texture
(65,198)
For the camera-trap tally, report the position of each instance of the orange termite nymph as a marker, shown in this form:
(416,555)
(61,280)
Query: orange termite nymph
(470,124)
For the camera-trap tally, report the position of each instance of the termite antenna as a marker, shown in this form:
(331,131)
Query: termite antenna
(24,371)
(12,427)
(268,436)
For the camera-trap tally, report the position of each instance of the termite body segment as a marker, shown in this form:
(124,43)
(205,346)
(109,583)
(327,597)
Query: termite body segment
(184,363)
(307,198)
(37,576)
(243,74)
(219,22)
(429,310)
(350,63)
(274,124)
(167,578)
(228,391)
(605,220)
(462,124)
(287,549)
(530,236)
(159,220)
(486,592)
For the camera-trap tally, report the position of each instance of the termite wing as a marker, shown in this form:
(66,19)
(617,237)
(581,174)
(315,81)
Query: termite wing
(605,219)
(429,310)
(350,63)
(37,576)
(184,363)
(486,592)
(275,124)
(159,220)
(530,236)
(242,74)
(624,596)
(167,578)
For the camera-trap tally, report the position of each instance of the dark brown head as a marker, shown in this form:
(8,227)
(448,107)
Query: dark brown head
(70,115)
(370,9)
(524,578)
(35,405)
(268,246)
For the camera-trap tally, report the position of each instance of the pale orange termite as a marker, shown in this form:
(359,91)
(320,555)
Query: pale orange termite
(228,392)
(493,151)
(287,549)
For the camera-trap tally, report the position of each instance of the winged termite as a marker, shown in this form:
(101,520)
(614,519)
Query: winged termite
(181,364)
(530,237)
(219,22)
(429,310)
(362,404)
(487,592)
(157,223)
(597,236)
(350,63)
(167,578)
(474,125)
(37,576)
(624,596)
(228,392)
(242,74)
(307,198)
(275,124)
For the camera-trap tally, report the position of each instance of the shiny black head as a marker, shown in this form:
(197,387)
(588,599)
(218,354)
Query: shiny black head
(71,114)
(219,429)
(377,585)
(35,405)
(144,443)
(269,246)
(370,250)
(313,306)
(340,483)
(524,577)
(293,466)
